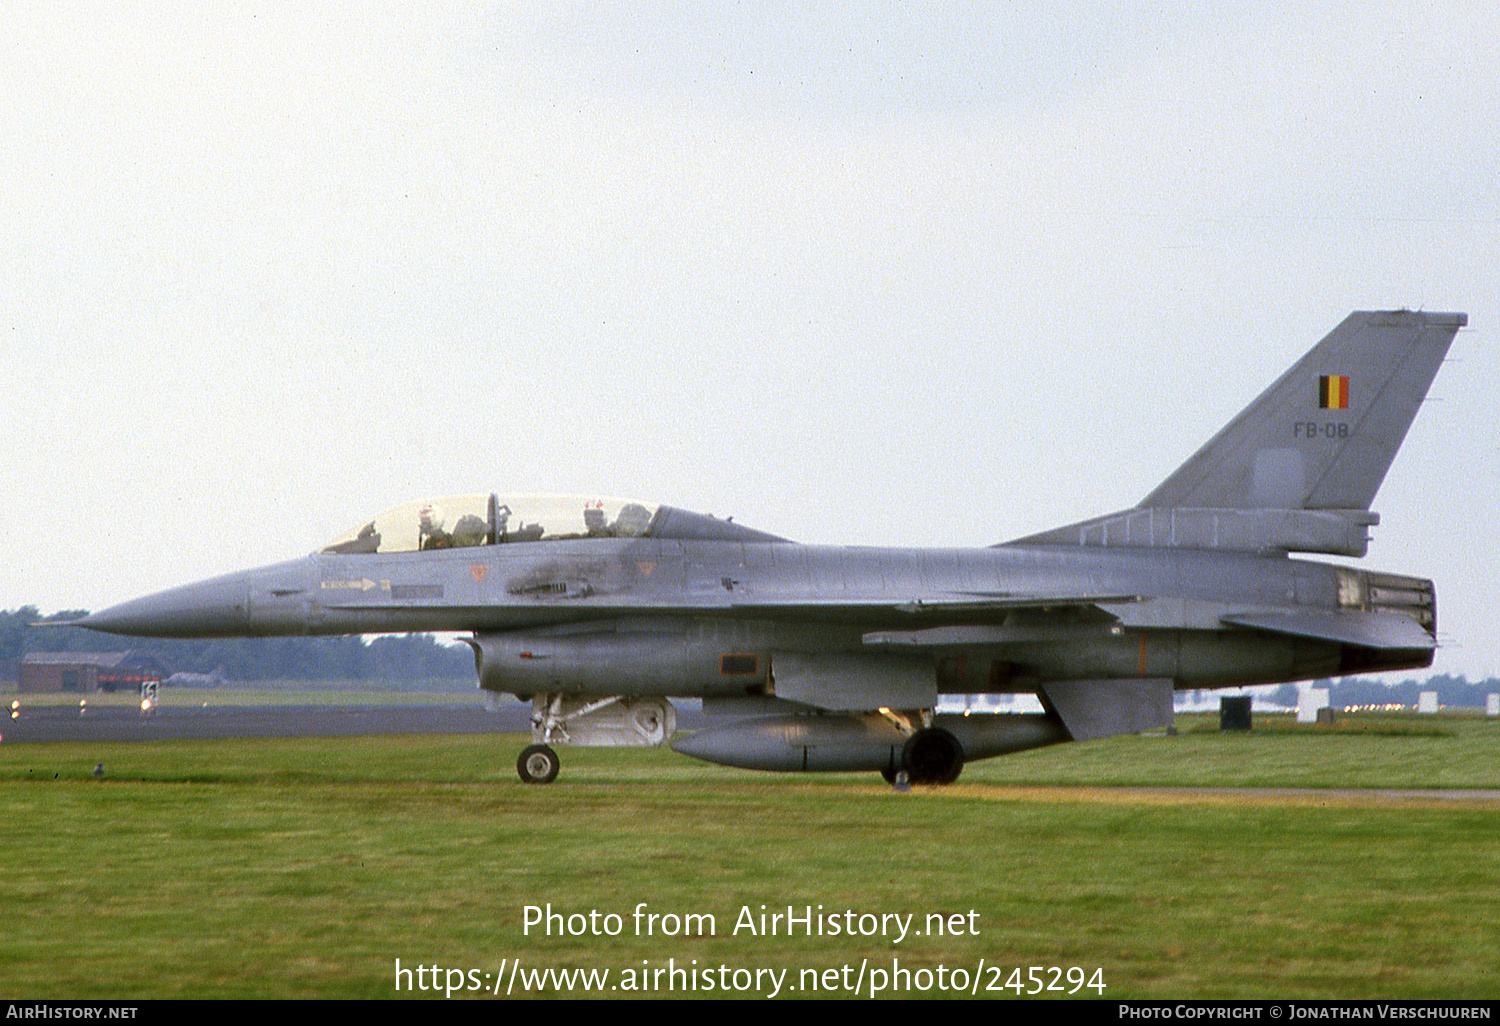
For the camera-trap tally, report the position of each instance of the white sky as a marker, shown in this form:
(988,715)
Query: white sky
(892,274)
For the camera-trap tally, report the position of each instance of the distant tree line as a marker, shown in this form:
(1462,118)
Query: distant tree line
(1453,690)
(405,658)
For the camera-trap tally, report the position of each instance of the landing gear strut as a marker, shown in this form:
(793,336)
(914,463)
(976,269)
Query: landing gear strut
(538,764)
(594,721)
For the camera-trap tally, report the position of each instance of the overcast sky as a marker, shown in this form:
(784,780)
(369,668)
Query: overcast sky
(876,274)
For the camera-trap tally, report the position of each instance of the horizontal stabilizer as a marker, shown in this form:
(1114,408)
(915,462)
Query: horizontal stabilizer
(1364,629)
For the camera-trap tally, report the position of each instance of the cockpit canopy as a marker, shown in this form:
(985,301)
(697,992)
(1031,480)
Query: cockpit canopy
(463,521)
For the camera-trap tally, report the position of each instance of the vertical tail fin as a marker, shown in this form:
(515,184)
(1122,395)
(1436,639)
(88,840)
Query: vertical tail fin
(1297,470)
(1323,436)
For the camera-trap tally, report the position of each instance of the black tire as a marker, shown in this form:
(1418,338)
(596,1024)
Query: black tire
(933,756)
(538,764)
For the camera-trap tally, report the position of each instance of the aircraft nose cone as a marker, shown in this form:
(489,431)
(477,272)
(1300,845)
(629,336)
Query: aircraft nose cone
(251,603)
(209,609)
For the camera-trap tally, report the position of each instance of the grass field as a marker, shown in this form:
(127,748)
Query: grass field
(307,867)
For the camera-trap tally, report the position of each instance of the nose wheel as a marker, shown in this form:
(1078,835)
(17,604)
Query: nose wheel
(538,764)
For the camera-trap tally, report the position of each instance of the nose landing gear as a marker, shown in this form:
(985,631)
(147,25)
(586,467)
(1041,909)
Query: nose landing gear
(538,764)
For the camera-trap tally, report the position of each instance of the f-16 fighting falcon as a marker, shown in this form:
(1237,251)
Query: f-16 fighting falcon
(600,610)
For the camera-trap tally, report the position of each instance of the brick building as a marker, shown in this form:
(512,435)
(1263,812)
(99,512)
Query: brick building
(90,671)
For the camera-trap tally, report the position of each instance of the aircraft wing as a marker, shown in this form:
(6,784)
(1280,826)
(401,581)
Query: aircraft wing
(941,610)
(1356,627)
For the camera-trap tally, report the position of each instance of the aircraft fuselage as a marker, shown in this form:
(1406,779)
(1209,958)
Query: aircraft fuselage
(655,616)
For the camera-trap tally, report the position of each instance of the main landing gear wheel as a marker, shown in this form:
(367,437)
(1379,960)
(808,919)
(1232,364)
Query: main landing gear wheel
(933,756)
(538,764)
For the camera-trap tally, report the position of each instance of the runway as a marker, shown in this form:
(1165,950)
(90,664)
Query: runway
(123,723)
(44,723)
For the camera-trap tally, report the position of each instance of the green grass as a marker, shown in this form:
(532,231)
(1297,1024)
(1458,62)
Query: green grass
(306,867)
(1379,751)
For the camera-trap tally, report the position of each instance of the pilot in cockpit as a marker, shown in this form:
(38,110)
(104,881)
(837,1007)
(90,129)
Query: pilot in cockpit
(430,529)
(633,522)
(469,531)
(593,522)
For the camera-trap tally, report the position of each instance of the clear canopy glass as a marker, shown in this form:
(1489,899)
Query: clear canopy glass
(464,521)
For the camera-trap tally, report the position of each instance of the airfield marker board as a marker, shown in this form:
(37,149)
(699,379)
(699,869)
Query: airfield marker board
(1309,701)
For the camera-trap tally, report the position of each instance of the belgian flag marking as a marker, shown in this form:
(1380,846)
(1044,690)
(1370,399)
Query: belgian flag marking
(1333,392)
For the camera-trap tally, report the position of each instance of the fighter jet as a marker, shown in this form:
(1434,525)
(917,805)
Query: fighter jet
(601,610)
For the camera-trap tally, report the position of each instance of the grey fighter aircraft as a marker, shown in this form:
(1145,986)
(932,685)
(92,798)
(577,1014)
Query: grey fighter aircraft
(600,610)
